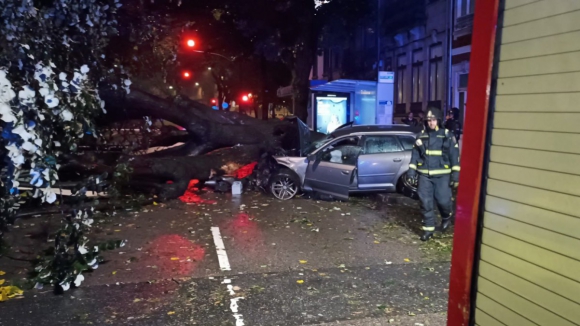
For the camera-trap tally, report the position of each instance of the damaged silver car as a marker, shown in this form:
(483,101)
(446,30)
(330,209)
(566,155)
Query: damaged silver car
(351,159)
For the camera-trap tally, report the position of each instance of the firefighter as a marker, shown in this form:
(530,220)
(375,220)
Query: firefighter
(436,159)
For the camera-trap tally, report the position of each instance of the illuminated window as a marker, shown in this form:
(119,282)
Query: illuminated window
(417,76)
(465,7)
(436,72)
(401,67)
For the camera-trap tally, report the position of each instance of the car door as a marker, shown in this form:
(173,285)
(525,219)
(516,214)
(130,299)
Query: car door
(380,162)
(333,172)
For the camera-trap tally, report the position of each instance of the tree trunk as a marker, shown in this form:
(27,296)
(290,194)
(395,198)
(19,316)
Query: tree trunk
(208,129)
(303,62)
(152,174)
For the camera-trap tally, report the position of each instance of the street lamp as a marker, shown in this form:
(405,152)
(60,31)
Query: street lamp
(186,74)
(196,84)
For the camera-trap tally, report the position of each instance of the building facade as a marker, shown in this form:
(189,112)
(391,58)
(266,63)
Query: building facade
(418,55)
(414,39)
(461,53)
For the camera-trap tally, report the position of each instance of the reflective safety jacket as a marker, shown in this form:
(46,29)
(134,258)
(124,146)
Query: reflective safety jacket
(436,152)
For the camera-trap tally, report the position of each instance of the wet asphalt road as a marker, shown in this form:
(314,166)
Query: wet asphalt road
(299,262)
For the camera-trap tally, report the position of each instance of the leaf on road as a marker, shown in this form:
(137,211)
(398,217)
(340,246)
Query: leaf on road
(303,261)
(171,313)
(174,258)
(300,281)
(407,260)
(2,273)
(9,292)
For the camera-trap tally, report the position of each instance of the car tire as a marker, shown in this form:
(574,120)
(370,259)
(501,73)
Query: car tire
(284,185)
(405,188)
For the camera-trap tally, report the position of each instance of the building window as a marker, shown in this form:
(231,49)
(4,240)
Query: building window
(401,67)
(417,76)
(436,72)
(465,7)
(463,81)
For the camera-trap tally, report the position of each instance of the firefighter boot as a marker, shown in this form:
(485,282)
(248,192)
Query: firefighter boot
(445,224)
(426,236)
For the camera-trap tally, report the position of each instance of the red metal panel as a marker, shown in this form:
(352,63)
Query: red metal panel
(472,161)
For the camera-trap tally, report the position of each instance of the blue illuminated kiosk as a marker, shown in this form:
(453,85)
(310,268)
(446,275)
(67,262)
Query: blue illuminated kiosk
(341,101)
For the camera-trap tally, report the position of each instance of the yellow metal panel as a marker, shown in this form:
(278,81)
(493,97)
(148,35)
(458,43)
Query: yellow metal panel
(561,285)
(517,302)
(554,181)
(552,64)
(516,3)
(539,10)
(548,141)
(483,319)
(561,203)
(526,298)
(557,162)
(554,102)
(561,43)
(499,312)
(564,23)
(559,122)
(542,238)
(549,260)
(556,222)
(554,83)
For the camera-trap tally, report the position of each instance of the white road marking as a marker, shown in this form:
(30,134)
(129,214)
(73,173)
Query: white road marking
(221,249)
(225,266)
(234,308)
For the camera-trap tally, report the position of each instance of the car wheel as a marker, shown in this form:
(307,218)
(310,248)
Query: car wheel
(405,187)
(285,184)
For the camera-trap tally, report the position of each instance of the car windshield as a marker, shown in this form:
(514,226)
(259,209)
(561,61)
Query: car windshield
(317,144)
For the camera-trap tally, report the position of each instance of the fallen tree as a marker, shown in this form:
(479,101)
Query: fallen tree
(214,143)
(207,129)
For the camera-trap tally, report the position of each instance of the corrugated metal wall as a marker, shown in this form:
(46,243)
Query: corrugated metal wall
(529,271)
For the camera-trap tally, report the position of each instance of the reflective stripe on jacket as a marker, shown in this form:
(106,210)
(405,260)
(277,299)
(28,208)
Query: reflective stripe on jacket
(435,152)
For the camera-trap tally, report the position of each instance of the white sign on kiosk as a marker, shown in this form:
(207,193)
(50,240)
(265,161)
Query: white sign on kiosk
(386,77)
(385,94)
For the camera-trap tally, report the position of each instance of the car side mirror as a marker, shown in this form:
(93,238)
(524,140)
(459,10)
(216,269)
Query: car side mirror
(312,157)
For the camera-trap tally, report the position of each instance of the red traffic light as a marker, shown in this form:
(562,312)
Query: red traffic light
(213,101)
(186,74)
(245,98)
(190,43)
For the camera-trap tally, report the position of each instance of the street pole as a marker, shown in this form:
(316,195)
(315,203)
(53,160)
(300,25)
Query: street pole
(378,32)
(450,29)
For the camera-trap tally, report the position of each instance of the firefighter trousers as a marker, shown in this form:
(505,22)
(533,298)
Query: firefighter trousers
(434,190)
